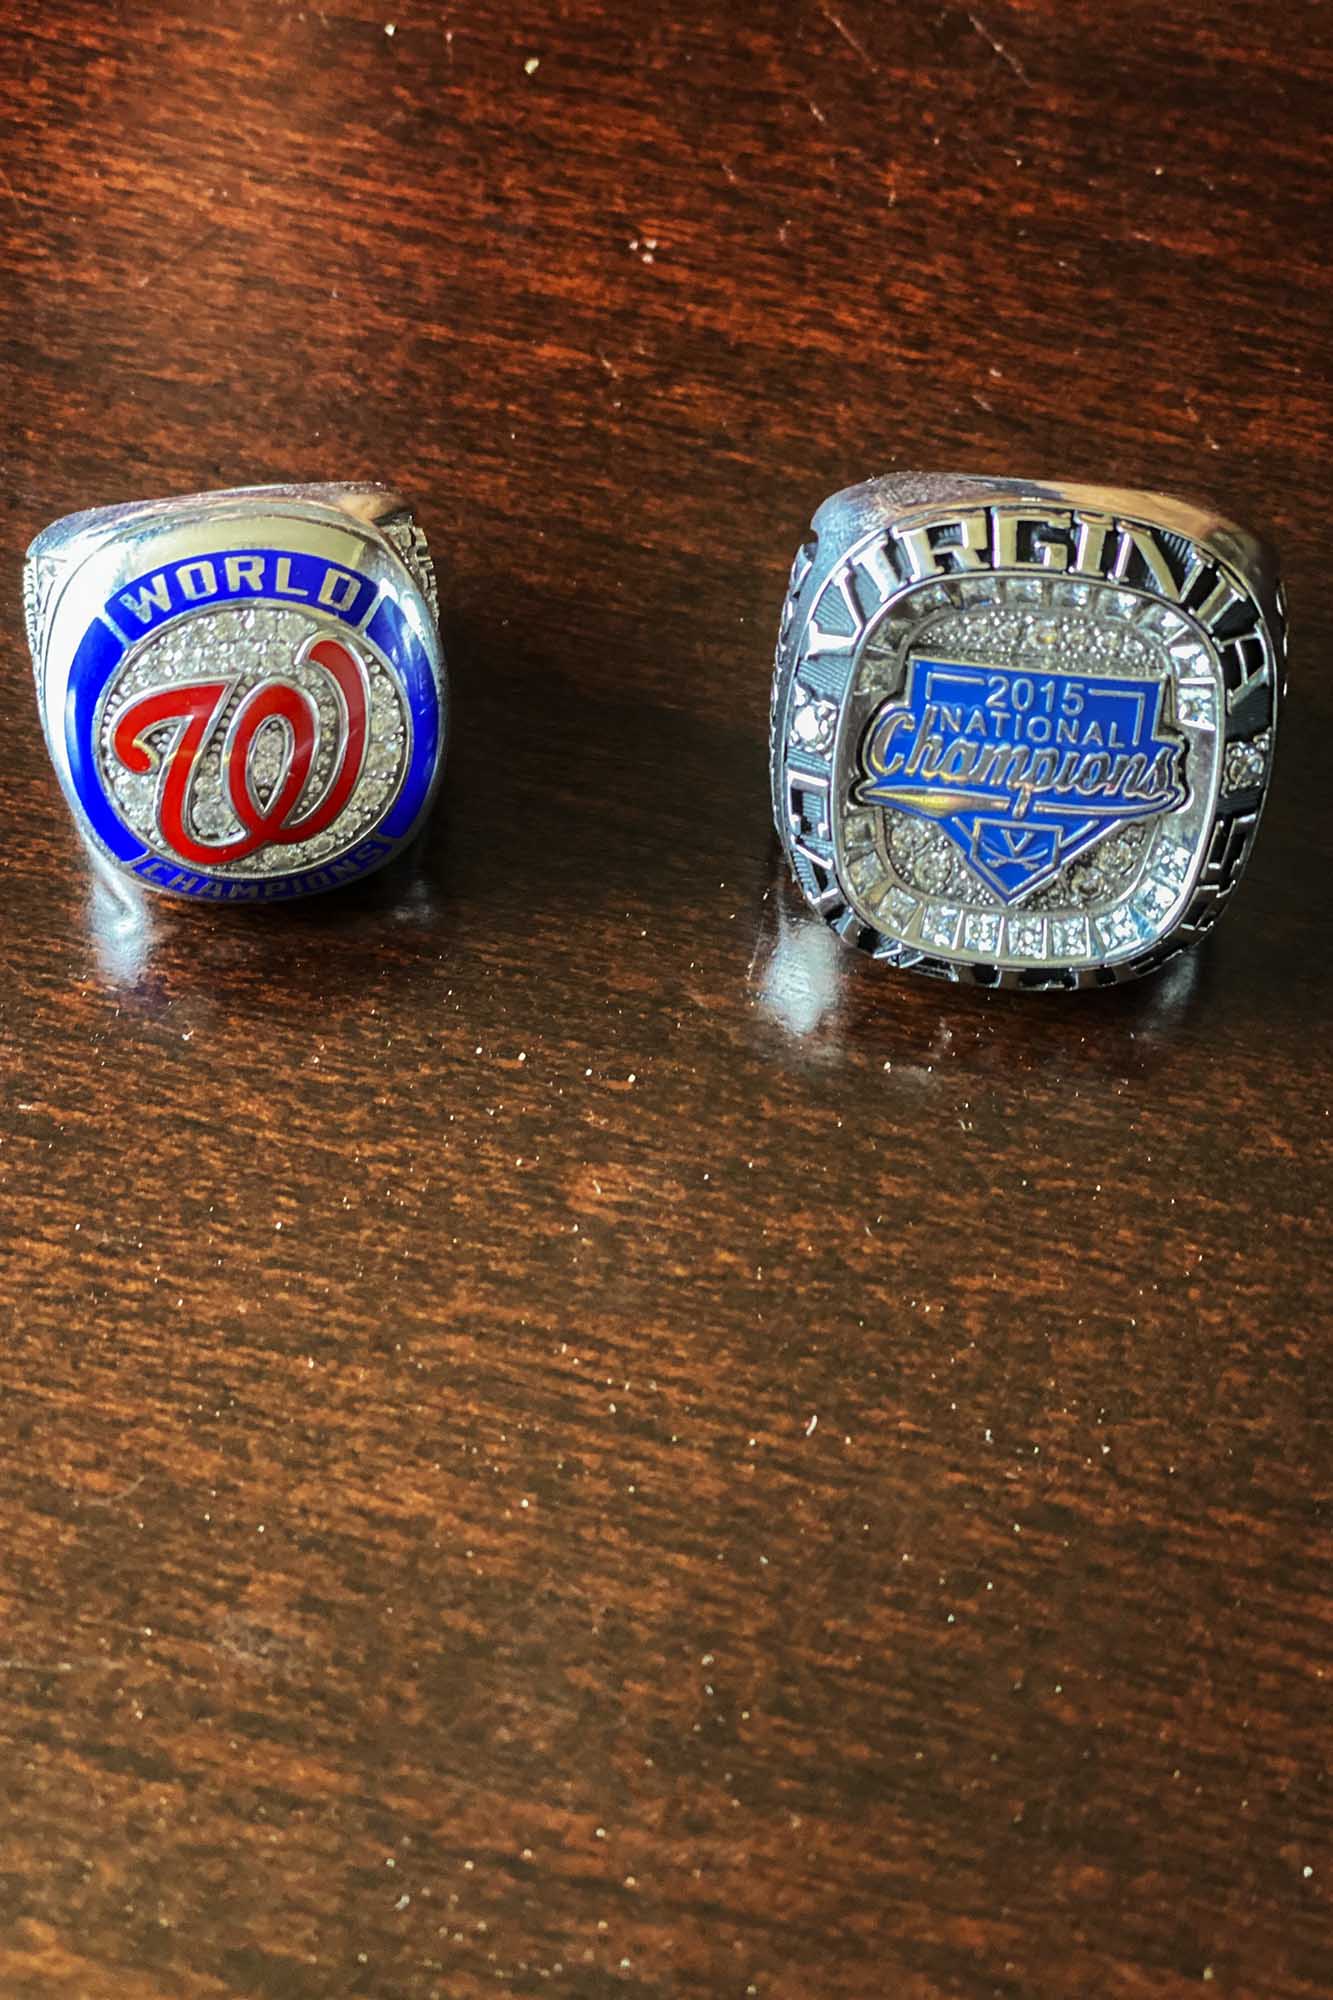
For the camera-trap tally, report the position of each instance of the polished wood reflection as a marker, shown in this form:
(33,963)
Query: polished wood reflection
(561,1434)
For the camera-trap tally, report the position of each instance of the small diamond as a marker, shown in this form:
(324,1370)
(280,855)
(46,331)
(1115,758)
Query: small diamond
(879,666)
(897,908)
(1172,864)
(865,872)
(921,854)
(1153,901)
(813,722)
(1117,856)
(981,931)
(859,827)
(940,924)
(1086,881)
(1118,927)
(1245,764)
(1069,937)
(1160,618)
(907,837)
(933,870)
(1194,703)
(1027,937)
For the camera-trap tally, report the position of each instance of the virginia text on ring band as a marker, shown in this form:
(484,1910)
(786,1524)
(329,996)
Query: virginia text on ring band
(1022,732)
(243,693)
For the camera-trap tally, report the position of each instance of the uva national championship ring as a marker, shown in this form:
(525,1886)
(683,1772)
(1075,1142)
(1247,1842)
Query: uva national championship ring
(243,693)
(1022,732)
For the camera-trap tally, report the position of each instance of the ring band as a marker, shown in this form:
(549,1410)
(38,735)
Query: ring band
(1022,733)
(243,693)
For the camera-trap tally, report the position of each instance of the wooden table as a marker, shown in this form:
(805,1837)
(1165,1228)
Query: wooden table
(561,1433)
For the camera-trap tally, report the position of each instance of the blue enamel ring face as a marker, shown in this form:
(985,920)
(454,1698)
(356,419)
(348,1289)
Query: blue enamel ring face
(1019,742)
(243,716)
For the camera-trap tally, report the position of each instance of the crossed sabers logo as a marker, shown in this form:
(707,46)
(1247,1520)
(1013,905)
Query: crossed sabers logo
(195,707)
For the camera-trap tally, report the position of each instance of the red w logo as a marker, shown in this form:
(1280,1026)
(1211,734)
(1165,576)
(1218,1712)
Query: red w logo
(195,707)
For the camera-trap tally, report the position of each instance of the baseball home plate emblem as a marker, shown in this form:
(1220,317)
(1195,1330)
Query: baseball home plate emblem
(256,721)
(1022,770)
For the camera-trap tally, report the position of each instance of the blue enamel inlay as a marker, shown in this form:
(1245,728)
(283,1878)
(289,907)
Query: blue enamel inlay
(99,654)
(390,631)
(1021,770)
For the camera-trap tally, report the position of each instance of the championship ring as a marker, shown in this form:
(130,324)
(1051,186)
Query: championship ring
(243,693)
(1021,732)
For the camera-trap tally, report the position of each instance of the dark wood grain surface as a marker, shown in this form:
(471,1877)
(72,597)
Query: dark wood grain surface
(559,1433)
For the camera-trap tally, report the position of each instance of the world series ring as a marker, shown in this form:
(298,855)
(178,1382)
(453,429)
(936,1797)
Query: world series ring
(1022,732)
(243,693)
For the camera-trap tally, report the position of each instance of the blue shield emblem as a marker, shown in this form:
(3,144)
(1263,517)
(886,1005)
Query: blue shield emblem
(1023,771)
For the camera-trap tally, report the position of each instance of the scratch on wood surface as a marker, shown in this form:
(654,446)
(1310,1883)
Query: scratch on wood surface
(853,42)
(190,250)
(1005,55)
(55,1666)
(11,193)
(114,1499)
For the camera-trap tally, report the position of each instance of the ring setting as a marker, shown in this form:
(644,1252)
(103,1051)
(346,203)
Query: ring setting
(1022,733)
(243,693)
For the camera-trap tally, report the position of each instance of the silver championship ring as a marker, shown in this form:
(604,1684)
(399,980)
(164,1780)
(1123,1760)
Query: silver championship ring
(243,693)
(1022,732)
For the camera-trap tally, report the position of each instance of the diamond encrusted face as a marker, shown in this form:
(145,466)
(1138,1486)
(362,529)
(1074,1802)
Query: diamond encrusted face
(1021,737)
(1025,768)
(340,687)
